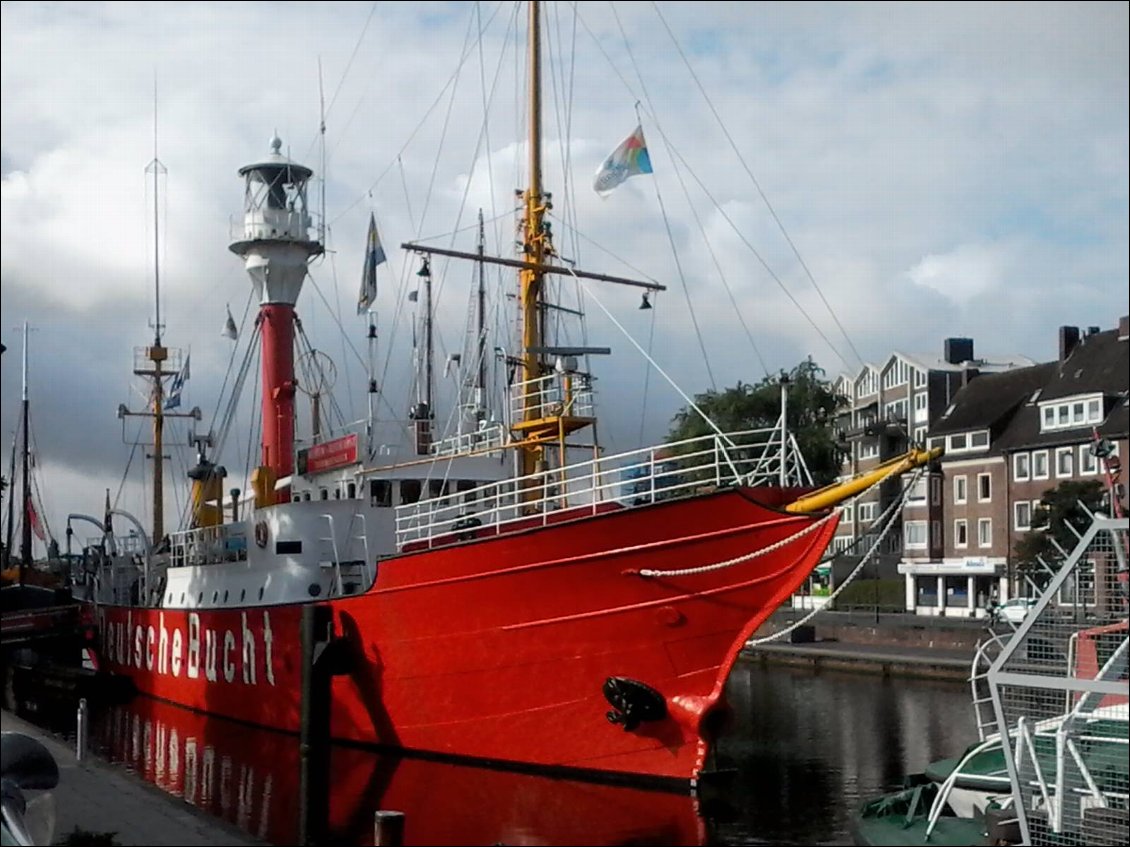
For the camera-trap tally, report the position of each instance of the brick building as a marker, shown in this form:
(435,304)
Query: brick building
(1009,437)
(889,406)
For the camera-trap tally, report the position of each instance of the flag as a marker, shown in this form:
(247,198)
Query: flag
(374,255)
(107,520)
(629,159)
(230,330)
(34,522)
(177,387)
(413,296)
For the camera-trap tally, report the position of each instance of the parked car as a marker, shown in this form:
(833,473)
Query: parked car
(1016,609)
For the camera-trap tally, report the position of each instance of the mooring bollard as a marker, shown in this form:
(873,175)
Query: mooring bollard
(80,731)
(388,829)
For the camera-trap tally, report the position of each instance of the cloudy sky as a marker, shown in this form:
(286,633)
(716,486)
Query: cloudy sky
(837,180)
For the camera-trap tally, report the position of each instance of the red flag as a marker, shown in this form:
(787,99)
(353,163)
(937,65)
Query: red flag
(34,523)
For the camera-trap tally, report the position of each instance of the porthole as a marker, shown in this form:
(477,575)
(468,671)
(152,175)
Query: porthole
(215,597)
(314,589)
(225,595)
(260,592)
(242,594)
(199,598)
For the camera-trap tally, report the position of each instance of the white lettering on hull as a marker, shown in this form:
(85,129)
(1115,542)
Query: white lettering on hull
(241,655)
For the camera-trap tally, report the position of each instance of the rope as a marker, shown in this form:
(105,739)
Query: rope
(764,551)
(890,515)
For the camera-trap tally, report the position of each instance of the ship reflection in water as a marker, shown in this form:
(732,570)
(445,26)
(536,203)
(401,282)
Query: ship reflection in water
(804,749)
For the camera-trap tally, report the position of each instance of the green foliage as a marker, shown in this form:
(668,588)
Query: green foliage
(889,593)
(811,410)
(1059,508)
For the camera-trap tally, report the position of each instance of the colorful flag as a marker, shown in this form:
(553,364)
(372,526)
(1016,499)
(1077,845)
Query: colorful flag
(34,522)
(374,255)
(629,159)
(177,387)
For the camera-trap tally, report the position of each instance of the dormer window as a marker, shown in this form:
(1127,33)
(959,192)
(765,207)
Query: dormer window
(1078,412)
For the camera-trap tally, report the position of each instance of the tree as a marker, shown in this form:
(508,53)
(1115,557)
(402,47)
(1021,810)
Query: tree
(1059,508)
(811,409)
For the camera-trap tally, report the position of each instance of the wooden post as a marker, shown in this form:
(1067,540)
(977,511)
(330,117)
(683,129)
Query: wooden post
(388,829)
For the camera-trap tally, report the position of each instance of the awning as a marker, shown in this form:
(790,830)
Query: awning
(822,570)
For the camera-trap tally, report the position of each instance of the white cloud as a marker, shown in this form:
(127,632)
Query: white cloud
(963,273)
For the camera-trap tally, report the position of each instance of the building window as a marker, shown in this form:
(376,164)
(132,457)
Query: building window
(914,535)
(865,512)
(1040,464)
(960,493)
(869,450)
(918,492)
(1021,467)
(1087,464)
(979,439)
(849,513)
(1071,414)
(985,532)
(958,442)
(920,435)
(1064,461)
(1022,515)
(960,533)
(984,488)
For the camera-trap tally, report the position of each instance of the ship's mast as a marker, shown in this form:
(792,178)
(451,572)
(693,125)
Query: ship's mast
(25,525)
(157,355)
(156,363)
(481,350)
(533,248)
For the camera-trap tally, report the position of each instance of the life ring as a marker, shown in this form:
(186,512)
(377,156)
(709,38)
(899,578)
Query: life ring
(261,533)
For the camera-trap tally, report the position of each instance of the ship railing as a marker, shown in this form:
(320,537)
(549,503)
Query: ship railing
(625,480)
(558,394)
(489,438)
(208,545)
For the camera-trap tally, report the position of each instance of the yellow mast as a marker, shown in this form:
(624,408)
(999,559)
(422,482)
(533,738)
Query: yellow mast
(530,279)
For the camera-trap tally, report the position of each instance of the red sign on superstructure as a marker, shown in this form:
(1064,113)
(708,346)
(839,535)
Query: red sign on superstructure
(328,455)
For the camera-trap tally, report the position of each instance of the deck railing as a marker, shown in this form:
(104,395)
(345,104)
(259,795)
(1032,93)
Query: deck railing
(558,394)
(635,478)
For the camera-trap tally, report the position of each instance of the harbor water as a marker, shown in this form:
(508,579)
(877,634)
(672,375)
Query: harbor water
(804,749)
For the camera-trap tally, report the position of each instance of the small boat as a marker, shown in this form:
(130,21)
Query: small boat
(1058,772)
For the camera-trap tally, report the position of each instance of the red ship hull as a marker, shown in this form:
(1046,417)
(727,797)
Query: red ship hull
(498,649)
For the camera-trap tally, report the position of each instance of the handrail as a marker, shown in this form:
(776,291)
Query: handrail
(639,477)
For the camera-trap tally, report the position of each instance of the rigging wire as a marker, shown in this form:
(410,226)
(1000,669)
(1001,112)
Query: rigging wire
(675,152)
(344,74)
(663,212)
(757,185)
(419,126)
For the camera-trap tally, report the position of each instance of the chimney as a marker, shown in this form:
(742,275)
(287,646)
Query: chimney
(958,350)
(1124,327)
(1068,339)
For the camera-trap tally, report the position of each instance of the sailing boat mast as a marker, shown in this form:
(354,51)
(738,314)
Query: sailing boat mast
(25,524)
